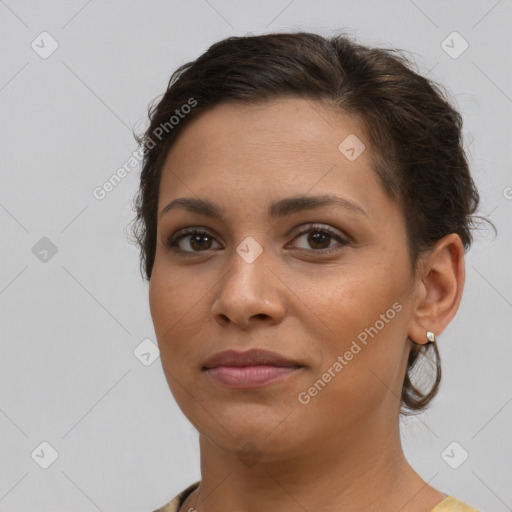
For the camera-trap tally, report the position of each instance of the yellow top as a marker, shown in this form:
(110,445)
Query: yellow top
(449,504)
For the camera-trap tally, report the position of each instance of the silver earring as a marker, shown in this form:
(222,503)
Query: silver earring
(431,337)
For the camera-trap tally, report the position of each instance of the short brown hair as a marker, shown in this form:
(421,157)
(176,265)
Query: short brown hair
(417,135)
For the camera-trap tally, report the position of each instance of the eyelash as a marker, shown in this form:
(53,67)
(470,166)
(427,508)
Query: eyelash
(314,228)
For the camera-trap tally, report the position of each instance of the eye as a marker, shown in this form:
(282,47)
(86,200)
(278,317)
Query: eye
(196,239)
(319,238)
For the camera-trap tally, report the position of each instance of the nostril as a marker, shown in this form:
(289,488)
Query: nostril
(224,318)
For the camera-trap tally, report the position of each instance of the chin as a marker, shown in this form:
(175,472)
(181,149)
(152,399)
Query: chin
(239,423)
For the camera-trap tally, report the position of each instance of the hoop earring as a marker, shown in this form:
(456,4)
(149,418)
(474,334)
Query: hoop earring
(431,337)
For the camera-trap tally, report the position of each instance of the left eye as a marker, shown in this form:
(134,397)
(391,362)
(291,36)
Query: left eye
(319,238)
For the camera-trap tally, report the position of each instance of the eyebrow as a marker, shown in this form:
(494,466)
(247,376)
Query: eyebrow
(281,208)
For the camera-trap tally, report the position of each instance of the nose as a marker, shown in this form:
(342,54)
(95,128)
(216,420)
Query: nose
(249,292)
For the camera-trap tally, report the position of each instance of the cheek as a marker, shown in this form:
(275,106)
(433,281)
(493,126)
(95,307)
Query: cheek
(367,321)
(173,303)
(174,312)
(162,303)
(351,300)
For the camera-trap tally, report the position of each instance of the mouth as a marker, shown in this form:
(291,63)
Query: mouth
(251,369)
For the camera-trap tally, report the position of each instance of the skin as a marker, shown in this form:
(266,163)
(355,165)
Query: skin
(342,450)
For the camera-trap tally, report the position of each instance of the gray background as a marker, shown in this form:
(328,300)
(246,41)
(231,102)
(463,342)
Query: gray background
(71,321)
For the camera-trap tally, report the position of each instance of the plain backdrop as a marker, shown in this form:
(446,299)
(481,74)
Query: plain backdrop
(82,390)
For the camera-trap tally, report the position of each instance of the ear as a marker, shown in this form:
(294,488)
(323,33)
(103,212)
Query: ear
(439,290)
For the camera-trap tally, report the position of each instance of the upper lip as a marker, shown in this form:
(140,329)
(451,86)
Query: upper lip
(249,358)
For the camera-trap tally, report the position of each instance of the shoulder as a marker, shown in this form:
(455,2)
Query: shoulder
(175,503)
(451,504)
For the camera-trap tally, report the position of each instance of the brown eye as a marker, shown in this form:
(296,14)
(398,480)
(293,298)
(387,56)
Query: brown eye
(192,240)
(320,237)
(200,242)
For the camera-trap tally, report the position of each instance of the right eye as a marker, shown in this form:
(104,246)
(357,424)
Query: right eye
(197,241)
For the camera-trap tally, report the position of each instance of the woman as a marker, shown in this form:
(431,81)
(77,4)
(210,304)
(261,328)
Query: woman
(304,209)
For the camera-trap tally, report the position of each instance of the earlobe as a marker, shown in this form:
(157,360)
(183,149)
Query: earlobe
(443,276)
(429,337)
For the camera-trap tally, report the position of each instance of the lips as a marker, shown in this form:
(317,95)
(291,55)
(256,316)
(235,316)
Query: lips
(254,357)
(255,368)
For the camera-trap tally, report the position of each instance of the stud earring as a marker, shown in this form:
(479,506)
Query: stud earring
(431,337)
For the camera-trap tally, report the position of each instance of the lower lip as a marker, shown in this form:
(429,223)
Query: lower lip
(247,377)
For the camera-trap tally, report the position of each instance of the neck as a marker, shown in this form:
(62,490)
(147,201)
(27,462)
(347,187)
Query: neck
(355,472)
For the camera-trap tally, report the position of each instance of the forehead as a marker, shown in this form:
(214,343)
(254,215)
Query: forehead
(280,127)
(273,149)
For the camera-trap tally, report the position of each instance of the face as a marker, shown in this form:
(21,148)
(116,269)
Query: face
(326,285)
